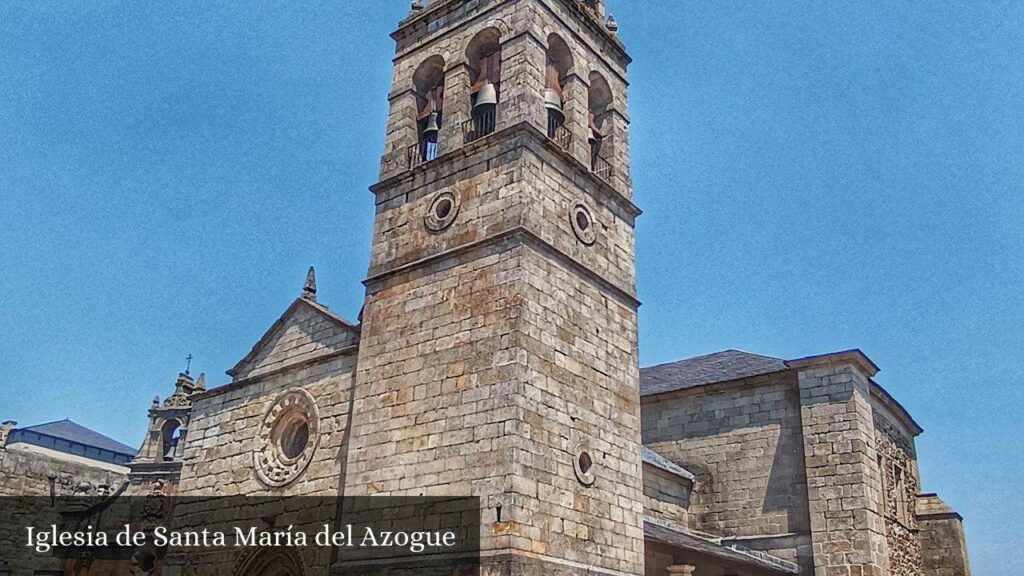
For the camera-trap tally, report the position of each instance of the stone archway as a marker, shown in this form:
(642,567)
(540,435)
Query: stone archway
(269,562)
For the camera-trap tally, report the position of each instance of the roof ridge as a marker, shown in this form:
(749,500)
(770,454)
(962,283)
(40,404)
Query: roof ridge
(709,354)
(41,430)
(754,354)
(721,366)
(48,423)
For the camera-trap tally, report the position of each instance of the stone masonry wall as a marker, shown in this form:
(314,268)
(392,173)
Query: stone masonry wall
(436,370)
(496,348)
(309,352)
(666,496)
(580,394)
(944,546)
(743,441)
(488,355)
(24,473)
(843,481)
(490,405)
(523,28)
(896,449)
(223,432)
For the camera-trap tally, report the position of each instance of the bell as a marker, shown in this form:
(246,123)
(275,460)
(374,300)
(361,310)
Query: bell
(487,96)
(433,127)
(592,137)
(553,103)
(552,99)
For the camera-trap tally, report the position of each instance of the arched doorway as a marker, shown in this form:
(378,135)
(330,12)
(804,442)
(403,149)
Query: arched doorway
(269,562)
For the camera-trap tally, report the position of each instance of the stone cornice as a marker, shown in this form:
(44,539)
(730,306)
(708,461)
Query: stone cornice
(930,507)
(532,135)
(882,396)
(853,356)
(154,468)
(595,26)
(405,27)
(520,235)
(243,382)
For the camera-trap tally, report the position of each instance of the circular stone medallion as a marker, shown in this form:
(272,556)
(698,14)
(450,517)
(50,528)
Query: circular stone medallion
(288,436)
(442,211)
(583,223)
(583,464)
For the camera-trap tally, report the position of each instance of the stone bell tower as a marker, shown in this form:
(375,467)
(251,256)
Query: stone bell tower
(499,344)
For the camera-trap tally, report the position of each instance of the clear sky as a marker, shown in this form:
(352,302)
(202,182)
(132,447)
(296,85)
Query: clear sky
(815,176)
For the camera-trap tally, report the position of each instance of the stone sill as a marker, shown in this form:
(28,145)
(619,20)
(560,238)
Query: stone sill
(523,128)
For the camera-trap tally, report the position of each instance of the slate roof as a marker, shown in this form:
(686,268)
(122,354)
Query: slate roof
(73,432)
(657,460)
(708,369)
(680,538)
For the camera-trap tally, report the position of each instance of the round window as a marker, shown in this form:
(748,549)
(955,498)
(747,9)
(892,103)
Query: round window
(443,208)
(288,438)
(442,211)
(583,223)
(294,438)
(584,466)
(582,220)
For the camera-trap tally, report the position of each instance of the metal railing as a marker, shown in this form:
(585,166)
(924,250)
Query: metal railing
(600,166)
(481,124)
(422,152)
(559,132)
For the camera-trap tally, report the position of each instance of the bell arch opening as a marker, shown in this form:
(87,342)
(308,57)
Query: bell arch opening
(428,85)
(483,56)
(170,438)
(599,105)
(559,63)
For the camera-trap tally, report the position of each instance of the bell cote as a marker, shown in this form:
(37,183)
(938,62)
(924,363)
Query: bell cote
(162,449)
(466,69)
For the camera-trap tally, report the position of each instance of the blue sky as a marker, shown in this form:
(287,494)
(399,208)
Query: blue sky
(815,176)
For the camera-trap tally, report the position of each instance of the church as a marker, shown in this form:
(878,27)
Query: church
(496,356)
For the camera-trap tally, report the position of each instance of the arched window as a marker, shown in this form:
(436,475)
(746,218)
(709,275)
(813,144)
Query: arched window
(557,67)
(170,436)
(428,84)
(599,105)
(483,54)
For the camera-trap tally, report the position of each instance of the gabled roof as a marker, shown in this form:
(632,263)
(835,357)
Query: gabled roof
(73,432)
(268,337)
(731,365)
(708,369)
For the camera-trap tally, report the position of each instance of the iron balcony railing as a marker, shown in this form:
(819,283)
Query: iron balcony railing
(558,131)
(422,152)
(600,166)
(482,123)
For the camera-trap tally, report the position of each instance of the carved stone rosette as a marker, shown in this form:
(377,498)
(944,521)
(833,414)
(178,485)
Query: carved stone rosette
(278,461)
